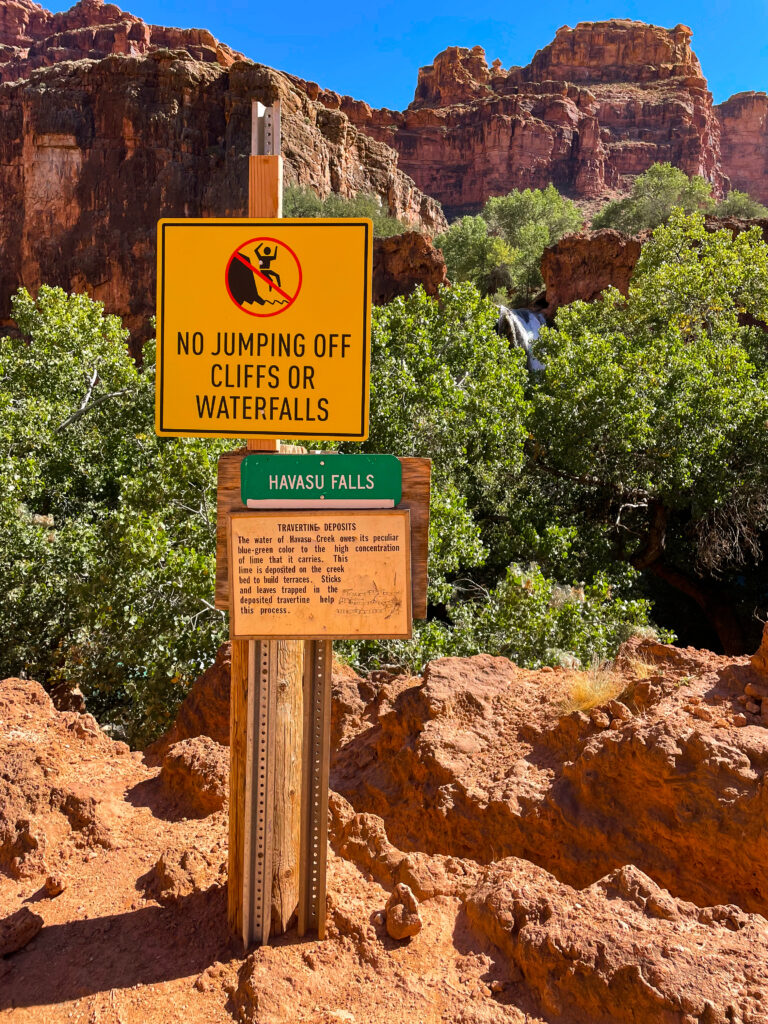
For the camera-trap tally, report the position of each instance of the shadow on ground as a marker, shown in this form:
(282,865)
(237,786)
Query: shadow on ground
(145,946)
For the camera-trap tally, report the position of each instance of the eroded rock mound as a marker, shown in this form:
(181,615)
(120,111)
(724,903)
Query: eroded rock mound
(402,262)
(140,927)
(479,760)
(40,793)
(195,775)
(582,265)
(179,873)
(621,949)
(205,709)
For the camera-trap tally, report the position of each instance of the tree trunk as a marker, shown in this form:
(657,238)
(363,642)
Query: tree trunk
(718,612)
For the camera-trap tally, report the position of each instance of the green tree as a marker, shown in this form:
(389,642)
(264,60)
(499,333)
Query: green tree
(472,253)
(742,205)
(651,419)
(529,221)
(500,250)
(444,385)
(299,201)
(655,194)
(106,531)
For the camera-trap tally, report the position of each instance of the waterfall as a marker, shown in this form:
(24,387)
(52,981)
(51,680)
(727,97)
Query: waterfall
(521,327)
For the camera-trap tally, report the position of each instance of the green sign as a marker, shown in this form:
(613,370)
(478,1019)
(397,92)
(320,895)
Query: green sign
(324,480)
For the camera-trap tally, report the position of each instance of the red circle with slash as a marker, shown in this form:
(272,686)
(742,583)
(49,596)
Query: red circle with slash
(250,284)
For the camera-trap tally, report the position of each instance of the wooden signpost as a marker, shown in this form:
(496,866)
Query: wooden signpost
(264,331)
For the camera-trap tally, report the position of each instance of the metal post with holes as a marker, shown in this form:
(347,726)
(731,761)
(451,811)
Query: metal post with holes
(265,166)
(265,129)
(259,793)
(318,660)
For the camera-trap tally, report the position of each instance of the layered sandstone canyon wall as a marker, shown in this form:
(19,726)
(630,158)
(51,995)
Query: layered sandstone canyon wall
(31,37)
(597,106)
(94,151)
(744,142)
(108,123)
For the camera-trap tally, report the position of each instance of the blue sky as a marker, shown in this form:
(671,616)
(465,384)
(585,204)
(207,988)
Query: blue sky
(372,50)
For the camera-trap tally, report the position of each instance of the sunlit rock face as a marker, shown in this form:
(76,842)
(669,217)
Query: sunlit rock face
(744,142)
(597,106)
(108,124)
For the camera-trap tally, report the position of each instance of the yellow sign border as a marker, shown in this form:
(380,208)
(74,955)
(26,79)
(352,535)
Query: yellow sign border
(267,224)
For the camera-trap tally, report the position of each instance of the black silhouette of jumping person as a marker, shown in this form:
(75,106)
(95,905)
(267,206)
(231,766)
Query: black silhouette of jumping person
(266,259)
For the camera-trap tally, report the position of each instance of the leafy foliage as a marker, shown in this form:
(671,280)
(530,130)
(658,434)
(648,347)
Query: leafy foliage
(741,204)
(500,250)
(529,221)
(655,194)
(445,385)
(650,420)
(304,202)
(106,531)
(473,254)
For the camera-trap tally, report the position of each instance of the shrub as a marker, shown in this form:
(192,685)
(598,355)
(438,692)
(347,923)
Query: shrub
(742,205)
(299,201)
(655,194)
(500,250)
(528,618)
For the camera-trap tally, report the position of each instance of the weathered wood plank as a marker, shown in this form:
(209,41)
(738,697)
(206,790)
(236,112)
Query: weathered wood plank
(416,487)
(265,186)
(289,739)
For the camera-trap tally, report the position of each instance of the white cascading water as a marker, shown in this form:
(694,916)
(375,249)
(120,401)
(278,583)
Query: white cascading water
(521,327)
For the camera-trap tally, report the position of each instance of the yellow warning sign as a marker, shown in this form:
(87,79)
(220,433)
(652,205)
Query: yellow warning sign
(263,328)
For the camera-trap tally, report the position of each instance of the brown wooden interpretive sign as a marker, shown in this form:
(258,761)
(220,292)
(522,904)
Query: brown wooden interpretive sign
(320,575)
(415,497)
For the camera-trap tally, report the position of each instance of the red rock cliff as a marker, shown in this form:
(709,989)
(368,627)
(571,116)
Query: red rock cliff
(94,151)
(744,142)
(595,107)
(31,37)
